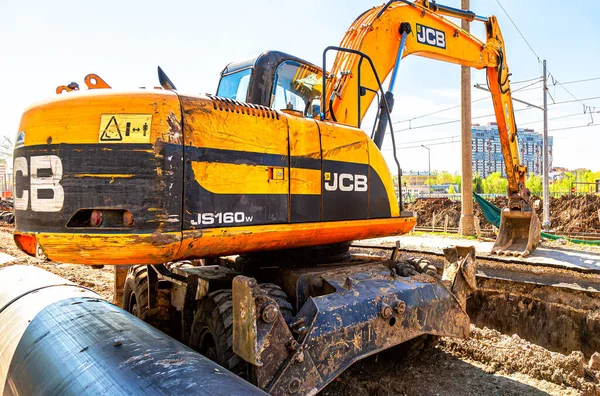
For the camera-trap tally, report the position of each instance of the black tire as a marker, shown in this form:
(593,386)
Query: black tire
(281,298)
(212,330)
(135,299)
(135,291)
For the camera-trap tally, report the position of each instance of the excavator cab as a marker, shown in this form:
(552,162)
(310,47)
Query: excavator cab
(274,79)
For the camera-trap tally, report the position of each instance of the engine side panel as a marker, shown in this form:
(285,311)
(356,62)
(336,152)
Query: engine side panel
(236,164)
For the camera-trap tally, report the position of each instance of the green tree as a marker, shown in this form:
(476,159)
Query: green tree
(457,179)
(443,177)
(535,184)
(451,189)
(494,184)
(477,184)
(563,184)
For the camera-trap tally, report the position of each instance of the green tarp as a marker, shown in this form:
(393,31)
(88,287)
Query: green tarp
(492,214)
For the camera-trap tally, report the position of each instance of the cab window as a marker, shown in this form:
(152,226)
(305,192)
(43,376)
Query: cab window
(235,85)
(296,87)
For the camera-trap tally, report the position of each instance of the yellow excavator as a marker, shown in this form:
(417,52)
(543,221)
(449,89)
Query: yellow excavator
(267,182)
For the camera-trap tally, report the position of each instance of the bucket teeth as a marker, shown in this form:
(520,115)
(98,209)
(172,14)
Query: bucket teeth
(519,233)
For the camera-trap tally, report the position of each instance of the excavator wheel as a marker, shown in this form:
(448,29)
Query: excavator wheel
(135,299)
(212,330)
(416,346)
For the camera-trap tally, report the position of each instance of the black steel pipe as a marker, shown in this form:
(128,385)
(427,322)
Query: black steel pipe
(60,338)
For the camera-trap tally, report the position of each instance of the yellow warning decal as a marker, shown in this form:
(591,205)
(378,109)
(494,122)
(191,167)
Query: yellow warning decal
(125,128)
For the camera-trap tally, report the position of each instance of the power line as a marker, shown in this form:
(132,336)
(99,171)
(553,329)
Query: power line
(524,81)
(519,30)
(429,140)
(455,121)
(487,115)
(437,112)
(580,81)
(528,85)
(432,144)
(521,89)
(575,127)
(550,119)
(576,100)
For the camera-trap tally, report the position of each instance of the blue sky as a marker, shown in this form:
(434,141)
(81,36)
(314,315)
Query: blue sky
(46,44)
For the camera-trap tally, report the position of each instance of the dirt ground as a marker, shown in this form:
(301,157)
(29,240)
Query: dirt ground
(568,213)
(488,363)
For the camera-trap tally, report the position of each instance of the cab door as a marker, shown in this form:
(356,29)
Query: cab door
(305,170)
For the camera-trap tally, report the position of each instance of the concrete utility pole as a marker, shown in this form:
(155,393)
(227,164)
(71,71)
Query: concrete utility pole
(429,167)
(466,218)
(546,222)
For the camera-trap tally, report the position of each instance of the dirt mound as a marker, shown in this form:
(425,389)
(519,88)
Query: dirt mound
(506,355)
(568,213)
(426,207)
(578,213)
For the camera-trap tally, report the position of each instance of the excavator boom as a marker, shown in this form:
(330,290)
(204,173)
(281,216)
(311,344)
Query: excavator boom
(400,28)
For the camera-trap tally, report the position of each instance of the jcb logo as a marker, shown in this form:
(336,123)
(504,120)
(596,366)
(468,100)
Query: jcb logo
(345,182)
(45,173)
(431,36)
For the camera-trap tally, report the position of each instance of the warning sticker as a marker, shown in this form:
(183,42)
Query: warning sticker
(125,128)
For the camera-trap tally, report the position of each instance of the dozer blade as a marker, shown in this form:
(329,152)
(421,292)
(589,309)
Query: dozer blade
(519,233)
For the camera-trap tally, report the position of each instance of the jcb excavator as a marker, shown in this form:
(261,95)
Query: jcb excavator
(274,170)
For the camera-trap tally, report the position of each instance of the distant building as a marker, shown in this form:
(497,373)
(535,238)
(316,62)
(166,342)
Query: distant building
(415,178)
(6,181)
(443,188)
(412,191)
(487,152)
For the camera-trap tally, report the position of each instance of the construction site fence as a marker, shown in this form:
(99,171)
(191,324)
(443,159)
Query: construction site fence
(408,198)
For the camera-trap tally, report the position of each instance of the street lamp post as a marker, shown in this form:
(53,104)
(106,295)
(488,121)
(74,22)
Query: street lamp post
(429,167)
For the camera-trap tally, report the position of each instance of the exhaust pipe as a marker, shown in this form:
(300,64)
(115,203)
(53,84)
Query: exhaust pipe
(60,338)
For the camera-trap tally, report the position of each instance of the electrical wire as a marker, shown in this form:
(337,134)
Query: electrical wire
(437,112)
(519,30)
(429,140)
(487,115)
(524,81)
(551,119)
(529,85)
(574,127)
(580,81)
(432,144)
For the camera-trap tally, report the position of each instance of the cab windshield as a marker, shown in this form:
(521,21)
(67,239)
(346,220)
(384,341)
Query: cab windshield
(296,86)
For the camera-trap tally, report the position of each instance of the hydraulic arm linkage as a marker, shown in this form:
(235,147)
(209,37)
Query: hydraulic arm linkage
(401,28)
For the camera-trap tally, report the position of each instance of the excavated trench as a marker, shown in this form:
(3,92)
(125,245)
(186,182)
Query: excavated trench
(553,308)
(559,319)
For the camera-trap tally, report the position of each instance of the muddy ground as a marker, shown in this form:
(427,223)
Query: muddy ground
(568,213)
(489,363)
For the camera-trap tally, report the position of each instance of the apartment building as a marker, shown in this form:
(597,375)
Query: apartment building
(487,152)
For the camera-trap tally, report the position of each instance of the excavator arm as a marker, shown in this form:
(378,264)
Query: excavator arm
(397,29)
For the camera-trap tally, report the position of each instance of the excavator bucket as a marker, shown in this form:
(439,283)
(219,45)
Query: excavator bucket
(519,233)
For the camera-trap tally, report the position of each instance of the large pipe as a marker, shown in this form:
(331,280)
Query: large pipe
(60,338)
